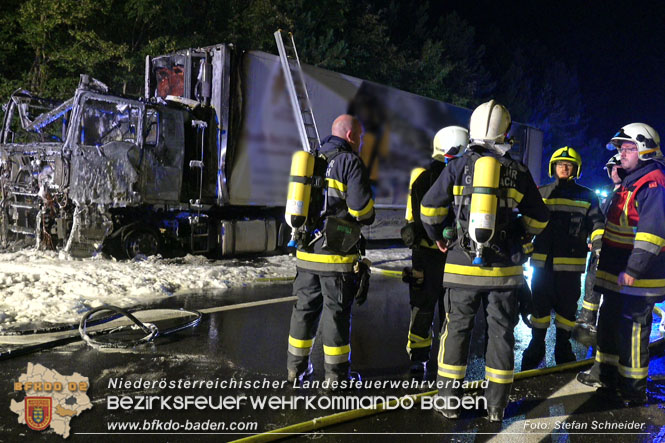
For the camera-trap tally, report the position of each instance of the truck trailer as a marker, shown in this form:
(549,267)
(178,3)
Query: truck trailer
(200,163)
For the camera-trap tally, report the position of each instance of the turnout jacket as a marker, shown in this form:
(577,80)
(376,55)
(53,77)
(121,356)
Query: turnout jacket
(634,237)
(348,197)
(606,202)
(449,200)
(575,215)
(418,189)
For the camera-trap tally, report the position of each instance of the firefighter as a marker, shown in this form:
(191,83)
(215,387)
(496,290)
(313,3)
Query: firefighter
(559,256)
(630,268)
(325,283)
(586,319)
(425,277)
(480,195)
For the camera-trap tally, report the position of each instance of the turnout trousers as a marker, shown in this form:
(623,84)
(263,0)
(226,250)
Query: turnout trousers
(325,300)
(423,299)
(622,356)
(591,301)
(501,313)
(558,291)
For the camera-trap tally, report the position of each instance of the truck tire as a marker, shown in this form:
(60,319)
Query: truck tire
(141,241)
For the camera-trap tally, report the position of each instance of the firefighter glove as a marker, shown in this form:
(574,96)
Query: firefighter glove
(414,277)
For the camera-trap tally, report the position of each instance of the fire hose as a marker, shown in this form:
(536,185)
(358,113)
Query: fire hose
(151,330)
(122,322)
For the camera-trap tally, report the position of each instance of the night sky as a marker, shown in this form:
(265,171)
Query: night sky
(618,49)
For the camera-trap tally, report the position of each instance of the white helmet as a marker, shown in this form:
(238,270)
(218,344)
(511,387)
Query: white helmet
(644,136)
(450,142)
(490,122)
(615,160)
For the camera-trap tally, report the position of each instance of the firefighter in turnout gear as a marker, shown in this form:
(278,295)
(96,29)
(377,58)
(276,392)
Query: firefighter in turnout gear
(585,330)
(485,169)
(631,267)
(560,255)
(326,283)
(425,277)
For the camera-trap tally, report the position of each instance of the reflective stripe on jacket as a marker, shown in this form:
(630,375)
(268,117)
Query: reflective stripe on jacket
(349,197)
(418,189)
(575,220)
(634,238)
(448,196)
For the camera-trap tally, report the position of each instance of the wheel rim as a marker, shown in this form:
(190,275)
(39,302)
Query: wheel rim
(141,243)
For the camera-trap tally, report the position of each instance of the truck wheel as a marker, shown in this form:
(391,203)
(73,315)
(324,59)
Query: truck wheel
(141,241)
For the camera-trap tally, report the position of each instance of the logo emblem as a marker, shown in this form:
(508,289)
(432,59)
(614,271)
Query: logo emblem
(38,412)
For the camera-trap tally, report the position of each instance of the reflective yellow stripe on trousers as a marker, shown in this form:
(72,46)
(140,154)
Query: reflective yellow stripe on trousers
(336,354)
(456,372)
(300,347)
(416,341)
(502,376)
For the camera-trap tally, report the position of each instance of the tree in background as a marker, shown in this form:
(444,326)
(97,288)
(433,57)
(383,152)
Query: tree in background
(438,57)
(12,65)
(49,42)
(63,38)
(543,92)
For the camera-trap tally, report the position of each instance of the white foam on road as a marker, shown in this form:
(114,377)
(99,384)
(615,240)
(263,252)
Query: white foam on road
(47,288)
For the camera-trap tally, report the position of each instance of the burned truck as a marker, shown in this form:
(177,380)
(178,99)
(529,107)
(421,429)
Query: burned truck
(102,170)
(200,163)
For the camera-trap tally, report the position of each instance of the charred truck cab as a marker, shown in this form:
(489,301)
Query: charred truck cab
(132,176)
(137,176)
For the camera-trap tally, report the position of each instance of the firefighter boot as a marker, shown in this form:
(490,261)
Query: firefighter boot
(563,351)
(293,375)
(442,404)
(535,352)
(584,330)
(585,334)
(418,369)
(336,384)
(590,379)
(495,413)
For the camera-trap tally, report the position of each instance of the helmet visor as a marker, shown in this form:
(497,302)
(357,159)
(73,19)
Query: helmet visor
(618,138)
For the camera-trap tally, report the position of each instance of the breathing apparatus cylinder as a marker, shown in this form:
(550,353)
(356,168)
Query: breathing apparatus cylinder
(484,202)
(300,189)
(415,173)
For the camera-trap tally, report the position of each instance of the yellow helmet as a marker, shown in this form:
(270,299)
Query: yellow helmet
(569,155)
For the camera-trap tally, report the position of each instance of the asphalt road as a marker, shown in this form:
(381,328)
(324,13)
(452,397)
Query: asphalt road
(239,349)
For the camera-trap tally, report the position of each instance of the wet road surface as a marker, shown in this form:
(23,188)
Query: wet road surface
(241,351)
